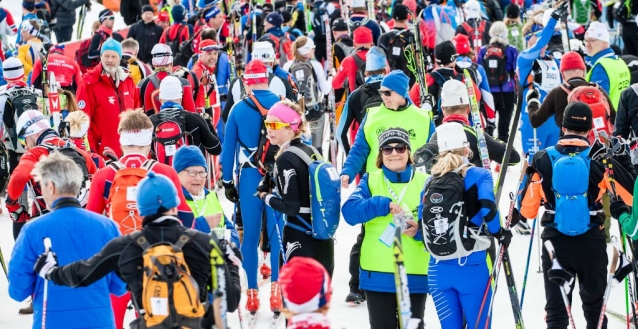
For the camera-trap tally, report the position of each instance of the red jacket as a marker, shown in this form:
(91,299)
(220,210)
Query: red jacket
(200,103)
(22,173)
(103,102)
(66,70)
(172,30)
(103,178)
(348,70)
(146,88)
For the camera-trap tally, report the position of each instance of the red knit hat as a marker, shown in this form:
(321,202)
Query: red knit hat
(572,61)
(462,43)
(362,36)
(305,285)
(163,16)
(255,72)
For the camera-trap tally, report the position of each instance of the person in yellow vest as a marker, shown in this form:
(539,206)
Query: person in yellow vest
(384,199)
(457,202)
(609,71)
(191,167)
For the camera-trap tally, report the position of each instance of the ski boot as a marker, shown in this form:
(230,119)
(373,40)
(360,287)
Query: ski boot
(276,304)
(26,310)
(355,297)
(523,228)
(265,270)
(252,300)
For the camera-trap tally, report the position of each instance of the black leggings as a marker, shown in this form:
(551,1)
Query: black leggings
(297,243)
(504,103)
(382,309)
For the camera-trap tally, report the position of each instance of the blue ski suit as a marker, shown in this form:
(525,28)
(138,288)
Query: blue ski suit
(244,124)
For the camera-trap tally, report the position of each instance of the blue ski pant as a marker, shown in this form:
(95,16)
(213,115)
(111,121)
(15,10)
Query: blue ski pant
(458,292)
(251,210)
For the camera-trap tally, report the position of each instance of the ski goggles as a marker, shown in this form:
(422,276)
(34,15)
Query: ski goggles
(211,48)
(275,125)
(400,148)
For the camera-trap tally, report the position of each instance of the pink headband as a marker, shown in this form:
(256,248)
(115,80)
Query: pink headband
(286,115)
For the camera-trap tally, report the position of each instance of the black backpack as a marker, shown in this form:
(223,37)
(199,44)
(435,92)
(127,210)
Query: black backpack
(21,100)
(495,64)
(444,221)
(69,151)
(82,54)
(361,70)
(369,98)
(185,51)
(396,55)
(262,158)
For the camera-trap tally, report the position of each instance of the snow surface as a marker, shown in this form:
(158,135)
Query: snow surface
(341,314)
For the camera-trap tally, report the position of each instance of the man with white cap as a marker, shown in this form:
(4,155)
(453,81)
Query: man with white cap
(148,88)
(194,129)
(359,17)
(607,70)
(264,52)
(108,90)
(35,133)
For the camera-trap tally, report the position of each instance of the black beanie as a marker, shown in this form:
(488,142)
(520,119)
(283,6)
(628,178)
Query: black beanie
(394,135)
(445,52)
(577,117)
(513,11)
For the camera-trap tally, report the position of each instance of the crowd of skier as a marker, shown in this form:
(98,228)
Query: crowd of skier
(113,155)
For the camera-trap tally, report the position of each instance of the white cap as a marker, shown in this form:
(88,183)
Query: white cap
(12,69)
(170,88)
(305,50)
(454,93)
(162,55)
(450,136)
(472,9)
(263,51)
(357,3)
(31,122)
(597,31)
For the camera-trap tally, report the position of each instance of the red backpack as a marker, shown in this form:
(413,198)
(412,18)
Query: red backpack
(476,37)
(283,48)
(170,134)
(595,98)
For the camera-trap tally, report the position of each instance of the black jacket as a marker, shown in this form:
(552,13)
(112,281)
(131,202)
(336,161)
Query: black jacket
(64,11)
(97,40)
(123,256)
(356,110)
(131,11)
(627,114)
(147,35)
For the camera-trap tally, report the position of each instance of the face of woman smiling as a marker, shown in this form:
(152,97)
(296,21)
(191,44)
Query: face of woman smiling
(395,161)
(278,136)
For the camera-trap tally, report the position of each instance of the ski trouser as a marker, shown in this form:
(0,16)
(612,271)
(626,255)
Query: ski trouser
(17,227)
(587,260)
(504,103)
(355,262)
(14,159)
(458,292)
(382,309)
(251,210)
(300,244)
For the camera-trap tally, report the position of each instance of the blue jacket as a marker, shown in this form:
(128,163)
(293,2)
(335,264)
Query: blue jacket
(480,182)
(358,156)
(75,234)
(598,74)
(511,54)
(244,124)
(362,207)
(527,57)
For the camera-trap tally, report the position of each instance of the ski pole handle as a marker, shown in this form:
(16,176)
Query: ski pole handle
(47,244)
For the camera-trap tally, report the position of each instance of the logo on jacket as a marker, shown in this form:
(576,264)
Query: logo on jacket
(436,197)
(436,210)
(380,130)
(112,100)
(81,105)
(412,134)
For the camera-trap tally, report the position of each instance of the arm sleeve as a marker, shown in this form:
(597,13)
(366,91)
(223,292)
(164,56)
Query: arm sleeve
(324,84)
(358,155)
(598,75)
(97,197)
(488,212)
(208,139)
(496,150)
(347,117)
(22,278)
(621,126)
(538,116)
(83,273)
(94,48)
(629,222)
(526,59)
(289,203)
(342,73)
(362,206)
(229,148)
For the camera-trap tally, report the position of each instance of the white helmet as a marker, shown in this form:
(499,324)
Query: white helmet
(31,122)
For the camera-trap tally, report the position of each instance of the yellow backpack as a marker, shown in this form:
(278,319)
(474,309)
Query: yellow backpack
(170,295)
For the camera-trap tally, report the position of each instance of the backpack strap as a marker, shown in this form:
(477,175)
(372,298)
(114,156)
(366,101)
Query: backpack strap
(141,240)
(296,150)
(183,240)
(116,165)
(257,106)
(635,88)
(154,80)
(148,164)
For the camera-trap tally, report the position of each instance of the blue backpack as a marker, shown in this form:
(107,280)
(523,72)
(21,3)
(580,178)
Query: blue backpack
(570,183)
(325,197)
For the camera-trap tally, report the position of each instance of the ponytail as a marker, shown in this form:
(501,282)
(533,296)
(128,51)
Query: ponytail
(449,161)
(71,103)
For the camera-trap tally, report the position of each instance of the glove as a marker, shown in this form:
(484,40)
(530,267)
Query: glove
(624,268)
(617,208)
(46,263)
(429,100)
(109,154)
(560,10)
(619,145)
(231,192)
(532,94)
(504,237)
(88,5)
(264,184)
(516,217)
(490,126)
(20,216)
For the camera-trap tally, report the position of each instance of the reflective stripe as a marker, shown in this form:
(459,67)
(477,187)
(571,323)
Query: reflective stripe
(304,210)
(591,213)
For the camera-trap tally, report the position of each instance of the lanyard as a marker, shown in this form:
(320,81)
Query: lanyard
(203,212)
(398,198)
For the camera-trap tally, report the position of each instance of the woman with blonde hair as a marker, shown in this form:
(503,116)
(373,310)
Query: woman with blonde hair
(286,124)
(313,85)
(457,215)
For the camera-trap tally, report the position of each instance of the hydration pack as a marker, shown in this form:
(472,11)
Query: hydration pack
(169,134)
(361,70)
(495,63)
(396,52)
(82,54)
(69,151)
(21,100)
(122,199)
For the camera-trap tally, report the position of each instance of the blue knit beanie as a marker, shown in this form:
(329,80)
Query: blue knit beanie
(155,191)
(375,59)
(178,12)
(111,44)
(397,81)
(188,156)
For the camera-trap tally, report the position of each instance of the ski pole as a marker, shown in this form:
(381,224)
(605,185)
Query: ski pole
(538,244)
(529,256)
(612,269)
(568,308)
(4,265)
(45,297)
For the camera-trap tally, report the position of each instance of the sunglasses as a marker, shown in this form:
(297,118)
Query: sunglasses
(275,125)
(387,150)
(386,93)
(22,140)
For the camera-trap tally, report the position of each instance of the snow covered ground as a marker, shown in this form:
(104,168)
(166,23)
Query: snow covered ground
(341,314)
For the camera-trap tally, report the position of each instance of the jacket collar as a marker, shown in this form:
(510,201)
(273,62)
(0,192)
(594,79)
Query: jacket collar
(591,60)
(398,177)
(65,202)
(189,197)
(171,105)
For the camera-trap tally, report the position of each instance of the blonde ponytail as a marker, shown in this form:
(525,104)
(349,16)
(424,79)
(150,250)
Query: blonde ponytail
(449,161)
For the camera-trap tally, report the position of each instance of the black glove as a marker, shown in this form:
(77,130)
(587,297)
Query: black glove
(265,184)
(429,99)
(516,217)
(504,237)
(619,145)
(560,10)
(490,127)
(532,94)
(617,208)
(88,5)
(20,216)
(231,192)
(45,264)
(624,268)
